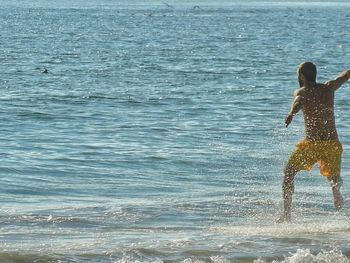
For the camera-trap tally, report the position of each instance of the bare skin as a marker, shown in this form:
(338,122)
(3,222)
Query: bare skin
(317,104)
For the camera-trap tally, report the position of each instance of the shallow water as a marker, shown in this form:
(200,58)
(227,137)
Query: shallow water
(157,134)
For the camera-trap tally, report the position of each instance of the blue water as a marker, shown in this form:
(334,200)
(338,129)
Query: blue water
(157,134)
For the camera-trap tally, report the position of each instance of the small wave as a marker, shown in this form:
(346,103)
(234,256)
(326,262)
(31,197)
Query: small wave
(99,97)
(15,257)
(10,170)
(41,220)
(36,115)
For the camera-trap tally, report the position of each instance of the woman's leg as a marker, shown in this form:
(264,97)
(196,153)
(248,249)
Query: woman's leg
(336,183)
(288,190)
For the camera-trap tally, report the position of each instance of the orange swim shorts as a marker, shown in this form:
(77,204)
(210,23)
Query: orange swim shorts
(327,153)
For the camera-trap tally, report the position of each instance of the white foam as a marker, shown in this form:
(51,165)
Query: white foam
(305,256)
(126,260)
(305,226)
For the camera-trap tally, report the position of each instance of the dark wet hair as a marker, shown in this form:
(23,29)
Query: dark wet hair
(308,69)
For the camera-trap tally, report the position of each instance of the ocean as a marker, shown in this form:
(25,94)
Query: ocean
(157,132)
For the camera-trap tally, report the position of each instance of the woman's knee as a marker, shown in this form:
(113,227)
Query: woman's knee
(336,181)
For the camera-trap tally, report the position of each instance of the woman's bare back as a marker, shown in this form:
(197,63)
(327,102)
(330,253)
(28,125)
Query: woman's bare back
(318,110)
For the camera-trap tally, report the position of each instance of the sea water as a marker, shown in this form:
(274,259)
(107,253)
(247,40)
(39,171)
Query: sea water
(157,133)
